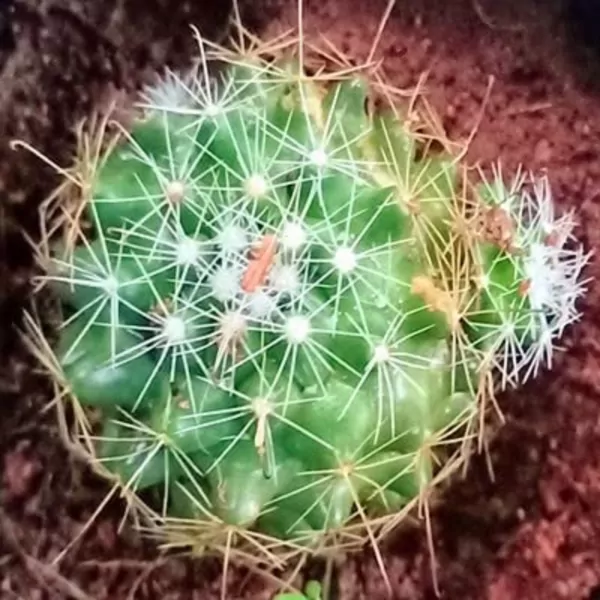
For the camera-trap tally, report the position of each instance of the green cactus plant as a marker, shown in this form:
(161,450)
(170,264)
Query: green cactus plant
(285,310)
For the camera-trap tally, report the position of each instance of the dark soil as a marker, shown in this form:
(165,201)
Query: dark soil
(531,532)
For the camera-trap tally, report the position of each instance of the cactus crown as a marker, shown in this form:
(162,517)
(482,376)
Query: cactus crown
(287,308)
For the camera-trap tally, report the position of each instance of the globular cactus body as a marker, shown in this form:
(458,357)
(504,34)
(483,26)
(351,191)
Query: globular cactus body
(286,305)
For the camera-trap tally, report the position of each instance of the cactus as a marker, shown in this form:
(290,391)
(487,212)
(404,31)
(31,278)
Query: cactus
(285,310)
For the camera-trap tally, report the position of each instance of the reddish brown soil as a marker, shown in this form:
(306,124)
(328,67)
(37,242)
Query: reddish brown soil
(532,532)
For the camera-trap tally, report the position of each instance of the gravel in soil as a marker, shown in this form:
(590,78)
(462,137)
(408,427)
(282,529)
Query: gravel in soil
(529,532)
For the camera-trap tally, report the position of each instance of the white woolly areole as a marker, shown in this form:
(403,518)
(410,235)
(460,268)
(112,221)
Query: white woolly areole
(297,329)
(188,251)
(507,329)
(256,186)
(293,236)
(174,329)
(381,354)
(111,285)
(483,281)
(232,238)
(233,325)
(318,157)
(175,191)
(285,279)
(212,109)
(261,407)
(225,282)
(345,260)
(260,304)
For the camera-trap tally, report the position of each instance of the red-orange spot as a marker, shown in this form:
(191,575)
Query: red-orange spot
(524,287)
(259,266)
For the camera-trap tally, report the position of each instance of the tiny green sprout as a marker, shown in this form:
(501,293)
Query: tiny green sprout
(312,591)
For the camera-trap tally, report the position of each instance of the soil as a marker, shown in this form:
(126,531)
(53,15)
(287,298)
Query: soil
(529,532)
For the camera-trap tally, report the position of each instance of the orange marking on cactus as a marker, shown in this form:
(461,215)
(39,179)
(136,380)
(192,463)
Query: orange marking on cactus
(524,288)
(261,261)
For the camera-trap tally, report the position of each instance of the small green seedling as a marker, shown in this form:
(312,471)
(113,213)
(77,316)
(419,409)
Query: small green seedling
(312,591)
